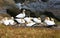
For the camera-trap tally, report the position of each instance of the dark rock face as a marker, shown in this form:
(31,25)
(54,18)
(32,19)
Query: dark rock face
(13,11)
(38,6)
(19,1)
(55,12)
(52,6)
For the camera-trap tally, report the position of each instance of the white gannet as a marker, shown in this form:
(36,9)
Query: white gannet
(52,20)
(21,15)
(5,21)
(29,21)
(30,24)
(20,20)
(37,20)
(48,21)
(11,21)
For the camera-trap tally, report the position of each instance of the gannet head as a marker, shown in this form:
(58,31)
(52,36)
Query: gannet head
(52,19)
(47,18)
(39,18)
(12,17)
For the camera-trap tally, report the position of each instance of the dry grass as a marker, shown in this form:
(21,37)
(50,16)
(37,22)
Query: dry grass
(21,32)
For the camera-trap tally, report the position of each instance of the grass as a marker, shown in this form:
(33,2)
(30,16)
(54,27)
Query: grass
(24,32)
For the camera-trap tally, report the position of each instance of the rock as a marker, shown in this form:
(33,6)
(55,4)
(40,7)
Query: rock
(39,7)
(55,12)
(13,11)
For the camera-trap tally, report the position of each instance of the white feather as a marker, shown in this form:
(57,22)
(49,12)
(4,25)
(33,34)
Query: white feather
(27,19)
(21,15)
(30,24)
(11,22)
(6,22)
(36,20)
(49,22)
(20,20)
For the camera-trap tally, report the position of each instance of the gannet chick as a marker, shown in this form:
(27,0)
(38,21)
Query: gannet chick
(21,15)
(11,21)
(5,21)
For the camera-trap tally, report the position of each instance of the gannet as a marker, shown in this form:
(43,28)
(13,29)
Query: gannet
(49,22)
(20,20)
(5,21)
(30,24)
(52,20)
(11,21)
(29,21)
(37,20)
(21,15)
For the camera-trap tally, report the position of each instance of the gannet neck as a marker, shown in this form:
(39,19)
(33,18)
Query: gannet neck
(23,12)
